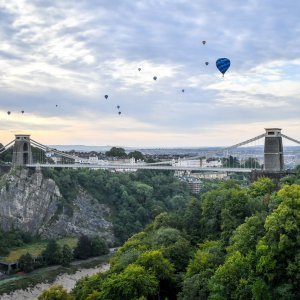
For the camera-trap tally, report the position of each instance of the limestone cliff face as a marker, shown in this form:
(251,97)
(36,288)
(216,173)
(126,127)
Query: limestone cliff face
(32,203)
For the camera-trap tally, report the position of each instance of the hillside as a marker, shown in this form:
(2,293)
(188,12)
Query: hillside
(62,203)
(233,243)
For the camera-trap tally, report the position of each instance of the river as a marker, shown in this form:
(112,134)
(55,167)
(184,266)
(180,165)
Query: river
(68,281)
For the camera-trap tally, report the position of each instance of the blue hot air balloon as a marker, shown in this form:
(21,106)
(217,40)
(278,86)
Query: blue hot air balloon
(223,65)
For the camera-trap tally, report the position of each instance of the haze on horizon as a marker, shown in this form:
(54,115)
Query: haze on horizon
(72,53)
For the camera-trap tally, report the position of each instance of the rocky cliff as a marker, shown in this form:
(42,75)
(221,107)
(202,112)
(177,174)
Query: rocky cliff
(32,203)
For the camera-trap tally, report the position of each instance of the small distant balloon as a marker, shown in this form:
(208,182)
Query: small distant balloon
(119,112)
(207,63)
(154,77)
(223,65)
(203,42)
(8,112)
(22,111)
(118,107)
(182,90)
(139,69)
(56,105)
(106,96)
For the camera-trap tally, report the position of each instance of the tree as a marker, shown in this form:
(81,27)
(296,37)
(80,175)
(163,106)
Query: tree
(67,255)
(206,260)
(99,246)
(232,279)
(137,155)
(55,292)
(251,162)
(154,262)
(163,270)
(223,210)
(278,251)
(133,283)
(83,249)
(87,286)
(116,152)
(231,162)
(261,187)
(52,253)
(26,262)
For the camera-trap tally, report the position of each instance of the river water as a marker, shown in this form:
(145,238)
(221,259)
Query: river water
(68,281)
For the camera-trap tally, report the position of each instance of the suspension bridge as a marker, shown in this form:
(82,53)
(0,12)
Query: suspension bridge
(237,158)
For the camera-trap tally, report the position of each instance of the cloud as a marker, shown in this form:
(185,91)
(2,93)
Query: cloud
(73,53)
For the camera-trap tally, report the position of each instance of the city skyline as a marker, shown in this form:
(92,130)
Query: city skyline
(59,59)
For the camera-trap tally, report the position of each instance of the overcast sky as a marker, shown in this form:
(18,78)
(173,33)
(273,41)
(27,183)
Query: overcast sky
(59,58)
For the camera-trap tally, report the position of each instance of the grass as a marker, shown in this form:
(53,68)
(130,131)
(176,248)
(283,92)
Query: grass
(36,248)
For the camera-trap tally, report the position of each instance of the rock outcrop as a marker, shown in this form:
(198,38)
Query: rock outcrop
(32,203)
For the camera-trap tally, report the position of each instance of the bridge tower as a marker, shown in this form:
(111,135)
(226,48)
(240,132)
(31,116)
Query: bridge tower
(273,152)
(22,154)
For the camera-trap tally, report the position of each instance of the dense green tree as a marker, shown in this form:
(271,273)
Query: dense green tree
(83,249)
(246,236)
(66,255)
(232,279)
(191,220)
(132,283)
(116,152)
(251,163)
(86,286)
(52,253)
(223,210)
(262,187)
(278,250)
(154,262)
(55,292)
(292,178)
(231,162)
(26,262)
(137,155)
(99,246)
(163,270)
(206,260)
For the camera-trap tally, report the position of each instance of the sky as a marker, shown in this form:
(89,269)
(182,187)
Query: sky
(59,58)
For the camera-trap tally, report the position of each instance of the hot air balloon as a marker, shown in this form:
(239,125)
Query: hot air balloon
(139,69)
(154,77)
(106,96)
(223,65)
(207,63)
(56,105)
(8,112)
(118,107)
(182,90)
(22,111)
(203,42)
(119,112)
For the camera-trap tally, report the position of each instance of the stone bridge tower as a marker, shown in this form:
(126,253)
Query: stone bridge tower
(273,152)
(22,154)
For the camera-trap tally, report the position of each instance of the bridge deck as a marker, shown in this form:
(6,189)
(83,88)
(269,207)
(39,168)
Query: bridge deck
(141,167)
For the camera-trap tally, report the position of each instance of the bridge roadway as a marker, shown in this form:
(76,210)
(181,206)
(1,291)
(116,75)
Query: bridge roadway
(140,167)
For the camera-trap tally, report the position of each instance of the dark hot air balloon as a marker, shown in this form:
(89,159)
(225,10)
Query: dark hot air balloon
(119,112)
(223,65)
(118,107)
(106,96)
(154,77)
(207,63)
(139,69)
(203,42)
(182,90)
(8,112)
(22,111)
